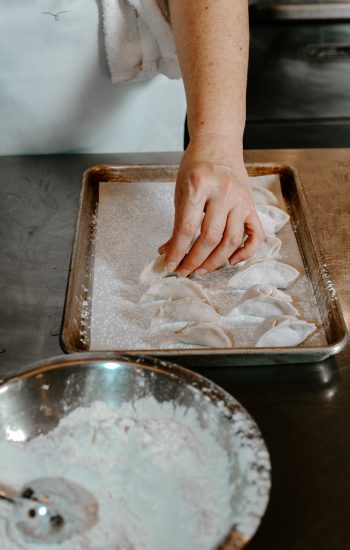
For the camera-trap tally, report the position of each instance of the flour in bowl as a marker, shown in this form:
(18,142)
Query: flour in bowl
(161,480)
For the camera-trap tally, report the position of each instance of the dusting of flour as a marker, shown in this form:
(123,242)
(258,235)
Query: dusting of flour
(161,480)
(133,219)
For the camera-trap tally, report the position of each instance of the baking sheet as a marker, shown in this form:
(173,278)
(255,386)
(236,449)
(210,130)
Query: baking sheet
(131,213)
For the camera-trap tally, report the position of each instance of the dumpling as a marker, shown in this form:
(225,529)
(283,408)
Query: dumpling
(153,271)
(272,218)
(264,301)
(258,291)
(269,248)
(175,288)
(263,196)
(200,334)
(268,272)
(282,330)
(186,309)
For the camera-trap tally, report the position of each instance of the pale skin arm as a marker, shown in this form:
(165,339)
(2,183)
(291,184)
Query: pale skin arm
(212,38)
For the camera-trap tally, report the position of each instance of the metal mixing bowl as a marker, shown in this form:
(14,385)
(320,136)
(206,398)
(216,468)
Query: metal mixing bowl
(34,402)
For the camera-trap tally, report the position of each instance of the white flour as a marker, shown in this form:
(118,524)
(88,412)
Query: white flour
(161,480)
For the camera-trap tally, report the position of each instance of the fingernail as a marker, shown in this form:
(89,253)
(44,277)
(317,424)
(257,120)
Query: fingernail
(201,272)
(184,273)
(170,267)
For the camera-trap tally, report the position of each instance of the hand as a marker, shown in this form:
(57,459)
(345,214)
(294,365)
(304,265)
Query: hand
(215,198)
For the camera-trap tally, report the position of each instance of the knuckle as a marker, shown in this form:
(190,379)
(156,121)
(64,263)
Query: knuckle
(194,178)
(195,186)
(238,210)
(227,194)
(234,240)
(212,237)
(186,228)
(227,184)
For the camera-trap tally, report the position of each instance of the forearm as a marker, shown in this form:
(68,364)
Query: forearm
(212,188)
(212,39)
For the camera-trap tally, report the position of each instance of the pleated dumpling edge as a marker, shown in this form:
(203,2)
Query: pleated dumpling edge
(282,331)
(264,272)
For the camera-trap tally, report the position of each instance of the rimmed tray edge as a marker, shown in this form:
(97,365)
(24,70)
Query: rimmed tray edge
(266,355)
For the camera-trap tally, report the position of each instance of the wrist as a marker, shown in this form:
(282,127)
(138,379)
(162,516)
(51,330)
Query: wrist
(222,124)
(216,147)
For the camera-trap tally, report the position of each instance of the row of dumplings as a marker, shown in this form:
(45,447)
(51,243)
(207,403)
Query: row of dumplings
(187,301)
(260,279)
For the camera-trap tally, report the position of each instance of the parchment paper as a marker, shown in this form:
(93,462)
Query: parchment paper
(133,219)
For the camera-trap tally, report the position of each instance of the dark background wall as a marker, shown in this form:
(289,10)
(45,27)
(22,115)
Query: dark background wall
(299,75)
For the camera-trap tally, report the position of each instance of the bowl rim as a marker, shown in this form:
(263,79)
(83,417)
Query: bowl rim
(141,361)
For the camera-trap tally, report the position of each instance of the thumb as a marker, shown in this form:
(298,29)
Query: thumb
(163,248)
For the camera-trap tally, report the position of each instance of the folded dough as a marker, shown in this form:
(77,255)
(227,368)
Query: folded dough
(268,272)
(153,271)
(258,291)
(200,334)
(282,330)
(272,218)
(175,288)
(260,301)
(186,309)
(263,196)
(269,248)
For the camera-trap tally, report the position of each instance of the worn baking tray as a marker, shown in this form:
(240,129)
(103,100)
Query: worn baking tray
(75,335)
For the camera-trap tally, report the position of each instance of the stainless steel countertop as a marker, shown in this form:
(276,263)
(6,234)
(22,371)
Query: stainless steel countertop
(302,410)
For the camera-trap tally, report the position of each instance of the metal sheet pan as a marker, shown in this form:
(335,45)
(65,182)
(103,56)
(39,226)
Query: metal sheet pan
(75,334)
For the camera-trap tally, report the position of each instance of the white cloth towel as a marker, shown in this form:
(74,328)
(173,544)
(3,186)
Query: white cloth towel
(139,40)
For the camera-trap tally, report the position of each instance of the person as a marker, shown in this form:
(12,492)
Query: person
(56,88)
(212,44)
(53,100)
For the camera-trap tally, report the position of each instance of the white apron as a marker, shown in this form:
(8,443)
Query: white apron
(56,93)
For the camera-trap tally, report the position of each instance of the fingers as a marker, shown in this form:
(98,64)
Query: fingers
(211,235)
(231,241)
(187,220)
(220,240)
(220,196)
(254,239)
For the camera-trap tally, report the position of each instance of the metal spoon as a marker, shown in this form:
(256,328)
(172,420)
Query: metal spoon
(50,510)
